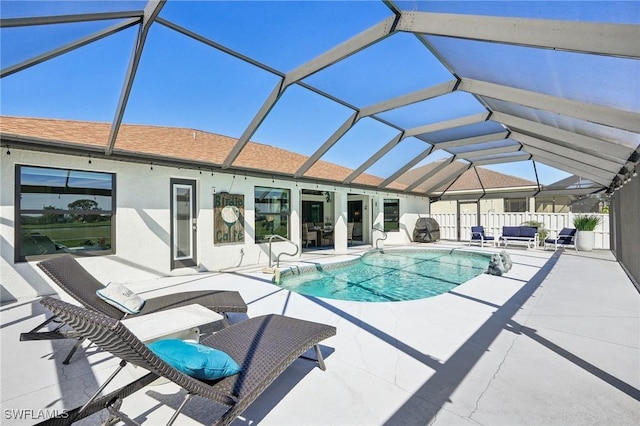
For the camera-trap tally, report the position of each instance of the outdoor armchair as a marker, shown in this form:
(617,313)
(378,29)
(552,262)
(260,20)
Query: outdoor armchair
(76,281)
(478,236)
(566,237)
(263,347)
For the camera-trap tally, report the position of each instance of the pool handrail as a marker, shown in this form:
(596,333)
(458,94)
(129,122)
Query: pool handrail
(384,235)
(280,237)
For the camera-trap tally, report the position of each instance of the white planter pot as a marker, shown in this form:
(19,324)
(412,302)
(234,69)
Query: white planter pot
(584,240)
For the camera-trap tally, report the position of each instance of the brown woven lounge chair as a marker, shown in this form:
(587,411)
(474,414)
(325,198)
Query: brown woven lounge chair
(75,280)
(263,347)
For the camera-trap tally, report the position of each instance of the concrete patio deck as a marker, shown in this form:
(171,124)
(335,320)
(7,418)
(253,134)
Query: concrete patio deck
(556,341)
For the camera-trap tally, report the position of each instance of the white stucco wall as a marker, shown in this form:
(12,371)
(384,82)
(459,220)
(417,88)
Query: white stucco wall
(142,221)
(411,208)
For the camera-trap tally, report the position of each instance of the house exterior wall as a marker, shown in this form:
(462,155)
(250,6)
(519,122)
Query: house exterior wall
(541,204)
(411,208)
(143,221)
(486,205)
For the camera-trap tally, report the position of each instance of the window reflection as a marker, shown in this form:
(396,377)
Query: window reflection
(391,215)
(63,211)
(272,213)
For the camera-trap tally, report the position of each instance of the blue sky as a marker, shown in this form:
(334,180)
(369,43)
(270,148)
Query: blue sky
(181,82)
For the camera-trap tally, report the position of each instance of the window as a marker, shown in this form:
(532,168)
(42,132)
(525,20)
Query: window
(63,211)
(391,215)
(312,211)
(555,204)
(515,204)
(272,212)
(570,203)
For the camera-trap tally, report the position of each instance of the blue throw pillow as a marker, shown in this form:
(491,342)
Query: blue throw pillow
(194,359)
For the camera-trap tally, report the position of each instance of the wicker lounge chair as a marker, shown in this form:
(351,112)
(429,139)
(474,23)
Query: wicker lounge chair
(75,280)
(263,347)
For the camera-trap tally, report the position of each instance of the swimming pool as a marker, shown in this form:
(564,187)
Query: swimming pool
(387,276)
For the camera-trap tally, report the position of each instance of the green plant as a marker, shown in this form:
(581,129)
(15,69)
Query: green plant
(542,232)
(586,222)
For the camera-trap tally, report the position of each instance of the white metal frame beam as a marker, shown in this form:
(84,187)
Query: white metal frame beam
(574,167)
(434,171)
(583,37)
(326,146)
(68,19)
(448,124)
(529,141)
(443,145)
(625,120)
(450,178)
(5,72)
(411,98)
(487,152)
(572,191)
(566,138)
(215,45)
(151,11)
(456,195)
(525,156)
(402,170)
(353,45)
(593,158)
(574,170)
(491,137)
(374,158)
(400,101)
(579,165)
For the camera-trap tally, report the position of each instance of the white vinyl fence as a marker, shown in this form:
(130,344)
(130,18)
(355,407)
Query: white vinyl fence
(493,223)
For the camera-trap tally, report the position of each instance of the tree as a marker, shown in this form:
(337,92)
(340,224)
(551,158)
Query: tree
(82,206)
(49,218)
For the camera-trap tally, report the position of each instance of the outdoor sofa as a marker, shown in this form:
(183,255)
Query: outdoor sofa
(76,281)
(519,235)
(263,347)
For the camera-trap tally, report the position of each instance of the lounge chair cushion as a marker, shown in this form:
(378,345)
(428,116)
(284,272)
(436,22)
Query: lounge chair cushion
(194,359)
(121,297)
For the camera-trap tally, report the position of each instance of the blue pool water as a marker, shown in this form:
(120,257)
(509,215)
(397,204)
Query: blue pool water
(389,276)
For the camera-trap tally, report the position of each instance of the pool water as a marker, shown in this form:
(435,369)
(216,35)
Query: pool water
(389,276)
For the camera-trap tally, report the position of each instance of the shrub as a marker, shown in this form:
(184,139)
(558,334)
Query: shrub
(542,232)
(587,222)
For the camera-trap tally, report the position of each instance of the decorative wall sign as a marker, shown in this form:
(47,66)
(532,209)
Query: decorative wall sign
(228,222)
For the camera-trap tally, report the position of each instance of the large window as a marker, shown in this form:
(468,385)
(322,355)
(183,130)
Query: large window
(515,205)
(391,215)
(272,212)
(63,211)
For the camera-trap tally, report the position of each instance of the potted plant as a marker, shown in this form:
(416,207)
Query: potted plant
(542,232)
(585,225)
